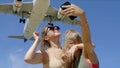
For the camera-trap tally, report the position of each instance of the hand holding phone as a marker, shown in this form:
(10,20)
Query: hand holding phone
(68,3)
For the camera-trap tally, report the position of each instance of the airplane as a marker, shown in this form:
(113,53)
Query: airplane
(35,12)
(20,37)
(17,8)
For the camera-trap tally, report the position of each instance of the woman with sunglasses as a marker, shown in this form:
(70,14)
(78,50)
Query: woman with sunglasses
(50,53)
(79,50)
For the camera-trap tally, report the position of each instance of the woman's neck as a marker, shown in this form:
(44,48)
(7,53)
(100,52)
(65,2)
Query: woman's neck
(55,44)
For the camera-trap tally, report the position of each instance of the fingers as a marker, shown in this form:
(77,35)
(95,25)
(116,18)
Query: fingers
(68,11)
(72,10)
(36,33)
(64,57)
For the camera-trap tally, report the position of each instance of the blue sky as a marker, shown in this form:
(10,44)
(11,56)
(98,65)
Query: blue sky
(104,20)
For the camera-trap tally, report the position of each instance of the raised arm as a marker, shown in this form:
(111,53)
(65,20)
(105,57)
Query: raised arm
(88,52)
(86,39)
(32,56)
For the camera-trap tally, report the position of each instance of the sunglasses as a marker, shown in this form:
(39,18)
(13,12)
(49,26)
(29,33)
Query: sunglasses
(52,28)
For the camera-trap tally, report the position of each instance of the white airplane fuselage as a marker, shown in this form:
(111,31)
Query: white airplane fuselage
(38,12)
(35,12)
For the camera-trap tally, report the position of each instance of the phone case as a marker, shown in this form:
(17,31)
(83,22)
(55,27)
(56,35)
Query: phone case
(68,3)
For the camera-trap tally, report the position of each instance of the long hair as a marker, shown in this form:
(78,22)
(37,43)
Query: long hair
(70,36)
(44,43)
(73,36)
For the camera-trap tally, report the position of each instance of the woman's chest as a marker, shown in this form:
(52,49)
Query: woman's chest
(55,60)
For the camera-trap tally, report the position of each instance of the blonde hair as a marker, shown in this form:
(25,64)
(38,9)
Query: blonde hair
(70,36)
(44,43)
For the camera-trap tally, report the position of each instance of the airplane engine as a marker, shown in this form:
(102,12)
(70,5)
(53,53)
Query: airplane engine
(17,6)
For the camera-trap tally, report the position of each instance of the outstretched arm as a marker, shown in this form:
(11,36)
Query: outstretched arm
(86,39)
(88,52)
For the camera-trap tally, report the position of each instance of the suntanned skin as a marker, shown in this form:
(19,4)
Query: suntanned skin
(88,52)
(50,58)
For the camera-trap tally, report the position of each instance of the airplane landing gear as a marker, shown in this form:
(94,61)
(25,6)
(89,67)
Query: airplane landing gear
(22,20)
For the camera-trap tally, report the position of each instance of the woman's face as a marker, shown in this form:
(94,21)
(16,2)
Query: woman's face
(53,31)
(71,42)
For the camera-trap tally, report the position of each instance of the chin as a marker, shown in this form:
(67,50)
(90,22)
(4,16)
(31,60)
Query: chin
(58,34)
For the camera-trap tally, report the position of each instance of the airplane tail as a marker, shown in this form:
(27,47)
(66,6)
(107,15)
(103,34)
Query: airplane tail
(20,37)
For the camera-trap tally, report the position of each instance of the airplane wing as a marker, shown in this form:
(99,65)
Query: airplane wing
(52,16)
(20,37)
(8,9)
(26,8)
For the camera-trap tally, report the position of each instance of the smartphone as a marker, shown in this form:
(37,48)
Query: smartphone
(68,3)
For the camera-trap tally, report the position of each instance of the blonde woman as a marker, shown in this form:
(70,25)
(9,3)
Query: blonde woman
(81,48)
(50,53)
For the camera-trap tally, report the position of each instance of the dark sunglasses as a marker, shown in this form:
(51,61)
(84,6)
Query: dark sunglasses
(52,28)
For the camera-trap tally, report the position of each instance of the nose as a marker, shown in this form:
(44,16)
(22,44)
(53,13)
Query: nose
(56,30)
